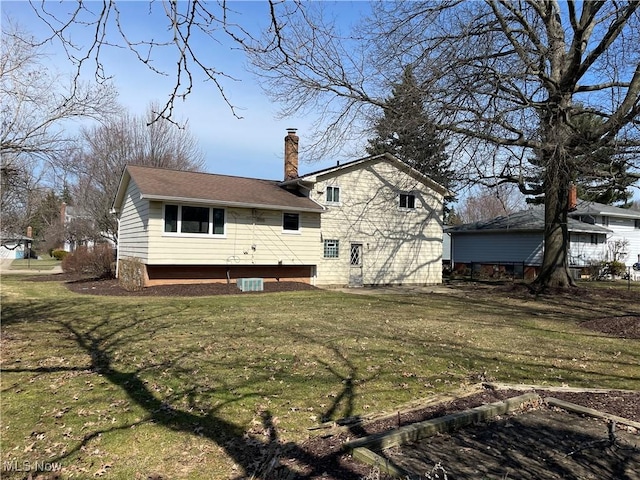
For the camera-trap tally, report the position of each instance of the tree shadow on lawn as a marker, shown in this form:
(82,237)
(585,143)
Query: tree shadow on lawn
(265,456)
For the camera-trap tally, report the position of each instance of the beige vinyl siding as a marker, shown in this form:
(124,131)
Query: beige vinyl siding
(401,246)
(252,237)
(133,241)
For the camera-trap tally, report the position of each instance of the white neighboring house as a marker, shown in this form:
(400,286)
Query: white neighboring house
(70,214)
(372,221)
(13,246)
(624,225)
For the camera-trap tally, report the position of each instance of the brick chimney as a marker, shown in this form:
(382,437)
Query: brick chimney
(291,154)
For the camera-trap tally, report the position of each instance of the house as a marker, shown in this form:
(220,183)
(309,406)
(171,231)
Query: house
(516,241)
(14,246)
(372,221)
(623,223)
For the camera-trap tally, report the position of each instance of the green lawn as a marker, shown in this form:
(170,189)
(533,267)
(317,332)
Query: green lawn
(178,387)
(44,263)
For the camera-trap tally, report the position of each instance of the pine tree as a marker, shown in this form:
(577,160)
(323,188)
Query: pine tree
(601,176)
(406,131)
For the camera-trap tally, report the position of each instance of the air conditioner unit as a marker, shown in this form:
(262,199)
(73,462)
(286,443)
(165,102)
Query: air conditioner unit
(251,284)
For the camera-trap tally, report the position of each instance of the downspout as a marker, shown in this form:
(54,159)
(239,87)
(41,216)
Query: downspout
(118,250)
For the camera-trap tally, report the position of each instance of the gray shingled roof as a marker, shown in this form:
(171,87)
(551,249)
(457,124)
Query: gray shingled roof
(523,221)
(593,208)
(224,190)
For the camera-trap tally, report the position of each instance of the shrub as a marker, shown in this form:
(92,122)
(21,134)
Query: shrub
(617,269)
(96,262)
(59,254)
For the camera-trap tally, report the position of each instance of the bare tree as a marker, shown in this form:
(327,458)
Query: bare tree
(507,81)
(186,32)
(104,151)
(488,202)
(35,102)
(35,109)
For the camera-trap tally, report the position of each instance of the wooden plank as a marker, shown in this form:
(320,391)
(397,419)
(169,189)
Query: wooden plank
(550,388)
(572,407)
(417,431)
(385,465)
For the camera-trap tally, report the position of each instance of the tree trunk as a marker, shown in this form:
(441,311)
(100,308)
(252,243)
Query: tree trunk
(554,272)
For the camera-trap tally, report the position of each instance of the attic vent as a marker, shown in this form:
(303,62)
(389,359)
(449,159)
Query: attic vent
(251,284)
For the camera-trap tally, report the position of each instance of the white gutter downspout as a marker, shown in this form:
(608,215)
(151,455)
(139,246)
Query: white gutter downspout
(118,250)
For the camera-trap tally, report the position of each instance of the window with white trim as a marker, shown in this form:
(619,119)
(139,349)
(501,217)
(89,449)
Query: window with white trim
(291,222)
(332,195)
(190,219)
(331,248)
(407,201)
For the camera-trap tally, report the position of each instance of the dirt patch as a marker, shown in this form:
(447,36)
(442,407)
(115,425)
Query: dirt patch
(624,327)
(541,443)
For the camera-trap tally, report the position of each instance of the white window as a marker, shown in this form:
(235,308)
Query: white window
(331,248)
(333,195)
(291,222)
(189,219)
(407,200)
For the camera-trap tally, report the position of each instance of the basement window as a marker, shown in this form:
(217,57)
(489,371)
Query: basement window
(331,248)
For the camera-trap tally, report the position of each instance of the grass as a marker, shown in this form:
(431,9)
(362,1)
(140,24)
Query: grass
(44,263)
(201,387)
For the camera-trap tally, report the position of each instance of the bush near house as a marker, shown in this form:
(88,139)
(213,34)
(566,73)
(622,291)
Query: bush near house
(602,270)
(96,262)
(59,254)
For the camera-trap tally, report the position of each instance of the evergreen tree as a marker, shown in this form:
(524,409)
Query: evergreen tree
(601,175)
(406,131)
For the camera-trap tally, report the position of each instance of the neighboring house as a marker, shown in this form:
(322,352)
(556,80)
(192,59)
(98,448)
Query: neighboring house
(623,223)
(78,226)
(517,240)
(13,246)
(372,221)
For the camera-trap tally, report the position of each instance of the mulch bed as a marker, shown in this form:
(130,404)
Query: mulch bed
(322,455)
(111,287)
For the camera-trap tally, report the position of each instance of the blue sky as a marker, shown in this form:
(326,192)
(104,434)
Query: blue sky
(251,146)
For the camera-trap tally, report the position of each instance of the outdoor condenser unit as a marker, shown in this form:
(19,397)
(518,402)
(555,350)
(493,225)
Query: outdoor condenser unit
(251,284)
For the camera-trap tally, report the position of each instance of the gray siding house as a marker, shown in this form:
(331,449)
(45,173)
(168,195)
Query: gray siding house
(517,240)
